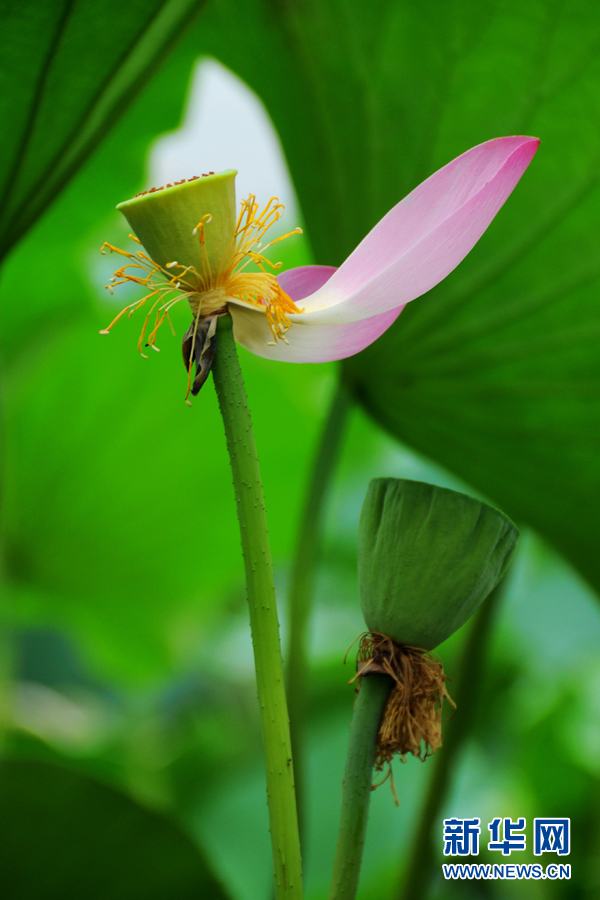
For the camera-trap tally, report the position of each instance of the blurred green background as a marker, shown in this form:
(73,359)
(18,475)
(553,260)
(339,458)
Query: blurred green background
(126,655)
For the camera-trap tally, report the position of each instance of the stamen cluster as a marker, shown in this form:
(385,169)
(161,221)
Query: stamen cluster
(206,291)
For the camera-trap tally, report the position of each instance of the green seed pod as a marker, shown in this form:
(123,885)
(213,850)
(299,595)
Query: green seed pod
(166,220)
(427,558)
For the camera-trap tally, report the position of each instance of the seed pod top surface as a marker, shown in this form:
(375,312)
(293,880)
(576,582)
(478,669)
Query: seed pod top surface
(166,220)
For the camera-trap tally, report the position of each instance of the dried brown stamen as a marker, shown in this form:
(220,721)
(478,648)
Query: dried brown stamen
(412,718)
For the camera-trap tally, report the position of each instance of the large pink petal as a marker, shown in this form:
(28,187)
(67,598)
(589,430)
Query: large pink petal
(304,280)
(425,236)
(307,341)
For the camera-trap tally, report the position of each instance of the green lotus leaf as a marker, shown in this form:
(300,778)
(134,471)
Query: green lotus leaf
(64,834)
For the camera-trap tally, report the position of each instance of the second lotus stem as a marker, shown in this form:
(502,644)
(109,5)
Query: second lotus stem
(357,785)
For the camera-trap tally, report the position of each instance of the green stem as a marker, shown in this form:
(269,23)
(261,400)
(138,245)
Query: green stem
(302,578)
(6,649)
(356,788)
(421,862)
(264,623)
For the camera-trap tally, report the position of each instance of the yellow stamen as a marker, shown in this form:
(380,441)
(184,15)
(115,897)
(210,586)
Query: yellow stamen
(208,291)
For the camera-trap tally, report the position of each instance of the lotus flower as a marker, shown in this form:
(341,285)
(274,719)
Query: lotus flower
(197,251)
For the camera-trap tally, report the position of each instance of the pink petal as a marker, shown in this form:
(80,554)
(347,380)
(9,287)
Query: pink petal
(297,283)
(425,236)
(304,280)
(308,341)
